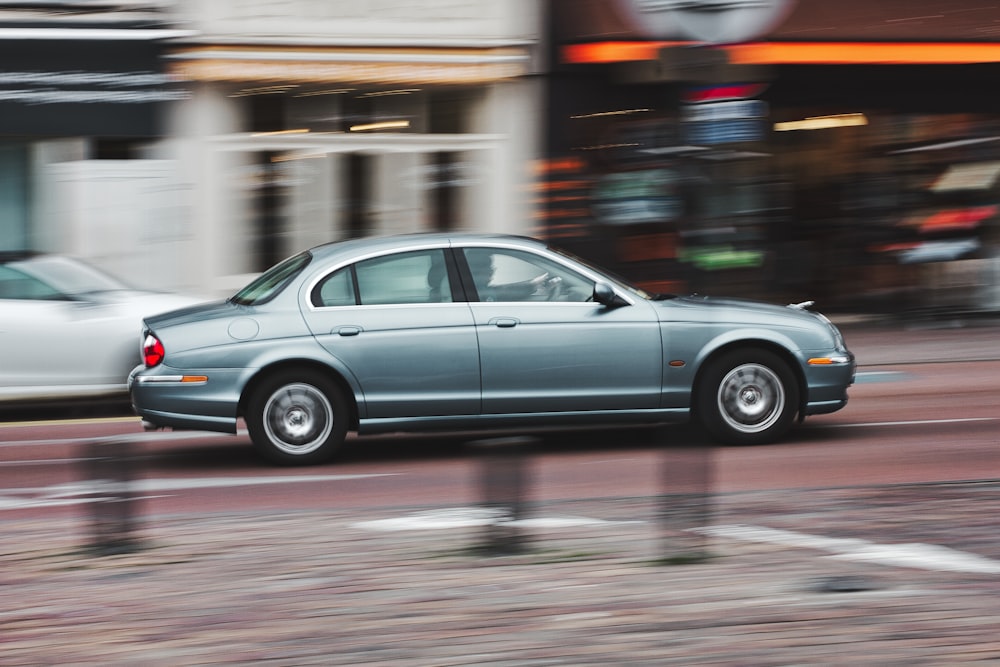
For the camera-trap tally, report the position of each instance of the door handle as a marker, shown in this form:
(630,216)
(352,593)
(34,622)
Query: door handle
(348,331)
(505,322)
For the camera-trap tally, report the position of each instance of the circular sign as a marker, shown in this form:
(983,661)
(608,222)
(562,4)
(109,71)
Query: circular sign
(709,21)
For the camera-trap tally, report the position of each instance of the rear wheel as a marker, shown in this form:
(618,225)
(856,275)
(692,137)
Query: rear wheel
(747,397)
(297,418)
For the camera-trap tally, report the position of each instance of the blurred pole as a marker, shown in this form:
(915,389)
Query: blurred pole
(109,468)
(685,505)
(503,482)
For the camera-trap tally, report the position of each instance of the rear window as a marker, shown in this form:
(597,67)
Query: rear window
(270,283)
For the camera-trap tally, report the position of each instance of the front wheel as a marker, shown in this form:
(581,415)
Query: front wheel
(297,418)
(747,397)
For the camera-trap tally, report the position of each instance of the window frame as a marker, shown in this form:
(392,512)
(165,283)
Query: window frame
(520,254)
(456,286)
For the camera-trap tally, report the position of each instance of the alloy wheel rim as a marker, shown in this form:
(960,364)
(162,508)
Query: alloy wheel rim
(751,398)
(298,418)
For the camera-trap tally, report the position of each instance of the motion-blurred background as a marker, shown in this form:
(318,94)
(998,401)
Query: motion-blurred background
(843,152)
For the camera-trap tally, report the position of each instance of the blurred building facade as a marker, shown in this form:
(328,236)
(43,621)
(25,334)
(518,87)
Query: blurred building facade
(83,93)
(289,123)
(845,152)
(848,154)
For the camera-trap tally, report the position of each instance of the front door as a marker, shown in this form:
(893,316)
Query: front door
(546,347)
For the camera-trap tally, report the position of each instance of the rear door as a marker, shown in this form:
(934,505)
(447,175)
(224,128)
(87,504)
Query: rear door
(397,323)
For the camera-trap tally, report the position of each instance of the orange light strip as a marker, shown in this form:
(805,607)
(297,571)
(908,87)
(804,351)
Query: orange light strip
(613,52)
(800,53)
(862,53)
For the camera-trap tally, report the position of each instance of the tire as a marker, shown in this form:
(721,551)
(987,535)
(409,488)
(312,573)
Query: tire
(747,397)
(297,418)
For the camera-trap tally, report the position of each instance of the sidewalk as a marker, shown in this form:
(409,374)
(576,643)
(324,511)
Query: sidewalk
(877,343)
(337,588)
(902,575)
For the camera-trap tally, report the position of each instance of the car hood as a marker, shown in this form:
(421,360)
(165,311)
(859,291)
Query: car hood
(721,309)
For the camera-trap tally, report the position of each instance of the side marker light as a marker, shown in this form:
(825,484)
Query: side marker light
(827,361)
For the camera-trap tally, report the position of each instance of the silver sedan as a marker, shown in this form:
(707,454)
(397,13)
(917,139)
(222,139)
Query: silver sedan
(477,332)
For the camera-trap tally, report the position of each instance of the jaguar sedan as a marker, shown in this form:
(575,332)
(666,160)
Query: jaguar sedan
(476,332)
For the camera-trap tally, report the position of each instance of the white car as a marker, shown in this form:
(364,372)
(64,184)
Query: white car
(67,330)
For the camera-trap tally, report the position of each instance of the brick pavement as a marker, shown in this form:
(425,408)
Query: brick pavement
(327,588)
(876,343)
(340,588)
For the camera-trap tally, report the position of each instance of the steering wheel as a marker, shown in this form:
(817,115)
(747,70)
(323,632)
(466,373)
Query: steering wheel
(553,287)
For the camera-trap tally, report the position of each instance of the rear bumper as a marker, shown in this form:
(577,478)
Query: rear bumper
(155,419)
(162,400)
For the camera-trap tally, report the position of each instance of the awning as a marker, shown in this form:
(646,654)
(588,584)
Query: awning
(970,176)
(377,66)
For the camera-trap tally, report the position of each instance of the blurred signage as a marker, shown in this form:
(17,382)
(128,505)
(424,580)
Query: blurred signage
(635,197)
(635,144)
(732,121)
(717,258)
(300,66)
(973,176)
(708,21)
(79,88)
(374,21)
(721,93)
(721,111)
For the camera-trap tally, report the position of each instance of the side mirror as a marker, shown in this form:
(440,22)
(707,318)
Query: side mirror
(604,294)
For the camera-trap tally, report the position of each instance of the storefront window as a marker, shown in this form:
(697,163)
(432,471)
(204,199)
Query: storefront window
(13,196)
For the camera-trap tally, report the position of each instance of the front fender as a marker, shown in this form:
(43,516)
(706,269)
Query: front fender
(690,344)
(748,336)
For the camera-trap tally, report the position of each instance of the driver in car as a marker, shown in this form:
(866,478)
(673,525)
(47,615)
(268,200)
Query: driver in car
(484,274)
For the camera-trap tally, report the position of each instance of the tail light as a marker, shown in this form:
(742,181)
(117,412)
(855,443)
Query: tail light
(152,351)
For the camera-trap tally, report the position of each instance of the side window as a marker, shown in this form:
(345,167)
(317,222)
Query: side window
(337,289)
(17,285)
(410,277)
(512,275)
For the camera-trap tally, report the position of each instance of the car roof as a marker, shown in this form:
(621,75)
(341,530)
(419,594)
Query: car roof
(375,244)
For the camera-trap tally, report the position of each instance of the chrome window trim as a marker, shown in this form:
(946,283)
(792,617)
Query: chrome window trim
(311,285)
(552,257)
(461,245)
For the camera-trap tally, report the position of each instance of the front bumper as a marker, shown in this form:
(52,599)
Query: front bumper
(827,384)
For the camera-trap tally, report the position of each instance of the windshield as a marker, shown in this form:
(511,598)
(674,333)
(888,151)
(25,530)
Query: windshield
(68,276)
(270,283)
(616,279)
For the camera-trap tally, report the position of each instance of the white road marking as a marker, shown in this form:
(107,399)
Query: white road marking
(87,491)
(135,438)
(913,555)
(63,422)
(467,517)
(916,422)
(879,376)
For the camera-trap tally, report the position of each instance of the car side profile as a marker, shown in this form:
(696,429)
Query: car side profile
(476,332)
